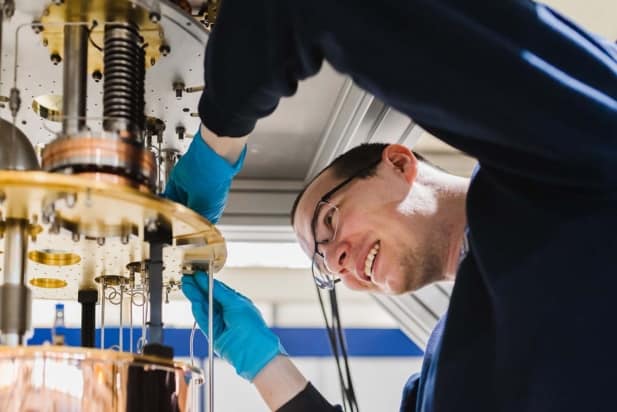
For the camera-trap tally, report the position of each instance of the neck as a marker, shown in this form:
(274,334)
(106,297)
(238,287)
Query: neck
(452,200)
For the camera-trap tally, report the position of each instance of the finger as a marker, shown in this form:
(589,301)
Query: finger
(191,290)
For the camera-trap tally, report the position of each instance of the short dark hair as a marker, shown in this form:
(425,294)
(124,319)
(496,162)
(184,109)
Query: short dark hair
(346,165)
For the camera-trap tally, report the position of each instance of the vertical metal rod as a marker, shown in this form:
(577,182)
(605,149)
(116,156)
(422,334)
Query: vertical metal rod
(103,314)
(210,337)
(155,276)
(121,329)
(131,323)
(15,296)
(74,82)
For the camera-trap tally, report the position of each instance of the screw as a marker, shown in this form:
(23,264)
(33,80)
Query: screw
(55,59)
(36,27)
(100,241)
(179,88)
(180,130)
(124,239)
(152,61)
(97,76)
(151,225)
(75,237)
(70,199)
(45,43)
(155,17)
(164,49)
(54,229)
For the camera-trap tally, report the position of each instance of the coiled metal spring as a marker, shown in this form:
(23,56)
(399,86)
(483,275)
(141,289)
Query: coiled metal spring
(123,86)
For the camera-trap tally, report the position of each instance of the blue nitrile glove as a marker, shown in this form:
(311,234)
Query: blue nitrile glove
(241,336)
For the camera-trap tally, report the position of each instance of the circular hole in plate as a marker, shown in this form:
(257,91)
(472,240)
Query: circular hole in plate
(53,257)
(48,283)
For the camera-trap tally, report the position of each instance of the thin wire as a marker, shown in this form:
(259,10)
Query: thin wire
(210,337)
(333,345)
(121,330)
(351,395)
(103,298)
(192,344)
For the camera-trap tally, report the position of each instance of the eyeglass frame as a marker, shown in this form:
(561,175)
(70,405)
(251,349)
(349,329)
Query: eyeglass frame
(326,199)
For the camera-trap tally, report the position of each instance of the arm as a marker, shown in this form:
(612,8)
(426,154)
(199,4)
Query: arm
(511,83)
(203,176)
(242,338)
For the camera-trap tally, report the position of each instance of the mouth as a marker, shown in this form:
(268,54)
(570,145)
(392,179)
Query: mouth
(369,262)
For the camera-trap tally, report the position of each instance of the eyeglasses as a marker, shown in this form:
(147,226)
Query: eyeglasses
(324,225)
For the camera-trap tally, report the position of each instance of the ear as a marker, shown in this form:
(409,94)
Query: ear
(402,160)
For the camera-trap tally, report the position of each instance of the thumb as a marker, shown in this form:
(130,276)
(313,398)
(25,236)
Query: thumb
(223,294)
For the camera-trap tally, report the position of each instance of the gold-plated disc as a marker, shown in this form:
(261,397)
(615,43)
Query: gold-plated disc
(48,106)
(48,283)
(96,209)
(53,257)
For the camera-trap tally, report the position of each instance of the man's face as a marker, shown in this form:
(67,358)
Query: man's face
(380,245)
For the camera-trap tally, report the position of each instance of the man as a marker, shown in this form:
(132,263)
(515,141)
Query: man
(529,94)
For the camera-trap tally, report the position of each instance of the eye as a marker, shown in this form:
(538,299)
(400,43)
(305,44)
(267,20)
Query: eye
(329,219)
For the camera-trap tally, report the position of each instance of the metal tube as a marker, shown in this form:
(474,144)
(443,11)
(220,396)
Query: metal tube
(210,338)
(120,329)
(103,298)
(15,247)
(15,297)
(75,75)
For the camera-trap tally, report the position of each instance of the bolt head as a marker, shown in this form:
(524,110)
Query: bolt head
(155,17)
(164,49)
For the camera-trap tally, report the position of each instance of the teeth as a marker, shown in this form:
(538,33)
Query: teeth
(368,264)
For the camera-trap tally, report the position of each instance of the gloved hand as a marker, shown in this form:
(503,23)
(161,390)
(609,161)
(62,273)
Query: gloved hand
(241,336)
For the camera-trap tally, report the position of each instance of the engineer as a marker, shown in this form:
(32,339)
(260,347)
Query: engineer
(531,238)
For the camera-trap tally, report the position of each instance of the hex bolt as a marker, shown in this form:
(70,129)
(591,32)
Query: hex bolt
(55,59)
(164,49)
(151,225)
(97,76)
(180,130)
(100,241)
(75,237)
(54,229)
(179,88)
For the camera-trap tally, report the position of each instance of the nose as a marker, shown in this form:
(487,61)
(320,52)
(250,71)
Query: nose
(337,257)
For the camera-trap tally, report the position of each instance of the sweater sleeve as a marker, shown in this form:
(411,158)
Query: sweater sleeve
(514,84)
(309,400)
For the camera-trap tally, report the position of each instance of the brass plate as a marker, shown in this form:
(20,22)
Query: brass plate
(54,257)
(48,283)
(48,106)
(101,11)
(96,206)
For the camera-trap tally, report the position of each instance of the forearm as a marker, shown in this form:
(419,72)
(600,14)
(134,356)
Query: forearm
(279,381)
(229,148)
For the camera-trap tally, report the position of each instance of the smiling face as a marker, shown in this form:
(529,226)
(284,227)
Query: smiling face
(387,239)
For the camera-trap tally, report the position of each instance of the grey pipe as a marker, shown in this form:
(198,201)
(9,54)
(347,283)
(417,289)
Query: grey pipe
(75,75)
(15,296)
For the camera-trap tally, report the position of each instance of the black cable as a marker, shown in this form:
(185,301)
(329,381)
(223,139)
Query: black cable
(333,346)
(351,395)
(96,46)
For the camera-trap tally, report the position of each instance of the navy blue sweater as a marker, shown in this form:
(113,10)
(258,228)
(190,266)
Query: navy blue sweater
(533,97)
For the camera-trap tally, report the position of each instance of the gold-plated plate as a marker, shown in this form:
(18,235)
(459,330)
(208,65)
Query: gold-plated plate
(94,207)
(100,11)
